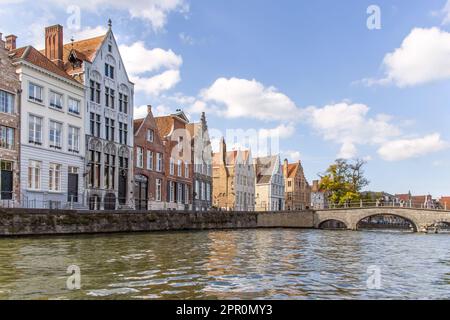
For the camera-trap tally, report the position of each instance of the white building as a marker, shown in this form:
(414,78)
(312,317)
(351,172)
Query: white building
(244,181)
(97,64)
(269,184)
(52,133)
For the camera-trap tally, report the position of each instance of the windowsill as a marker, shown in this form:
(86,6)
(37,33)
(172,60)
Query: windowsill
(40,103)
(77,115)
(56,109)
(35,190)
(55,192)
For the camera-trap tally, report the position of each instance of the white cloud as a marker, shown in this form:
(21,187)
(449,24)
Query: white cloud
(235,98)
(157,84)
(160,110)
(139,59)
(350,125)
(411,148)
(292,155)
(153,11)
(186,39)
(282,131)
(85,33)
(423,57)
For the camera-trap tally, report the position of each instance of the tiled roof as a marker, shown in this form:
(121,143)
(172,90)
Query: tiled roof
(264,166)
(35,57)
(137,124)
(292,169)
(85,49)
(165,125)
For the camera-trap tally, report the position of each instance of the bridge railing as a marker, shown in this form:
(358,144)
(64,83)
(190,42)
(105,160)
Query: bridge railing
(388,204)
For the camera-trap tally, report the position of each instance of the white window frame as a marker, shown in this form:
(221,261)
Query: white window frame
(150,160)
(34,175)
(54,177)
(172,167)
(53,101)
(150,135)
(7,102)
(56,143)
(32,96)
(158,192)
(74,135)
(37,134)
(139,157)
(70,106)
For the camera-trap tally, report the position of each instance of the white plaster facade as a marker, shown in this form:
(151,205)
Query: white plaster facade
(269,184)
(46,165)
(244,182)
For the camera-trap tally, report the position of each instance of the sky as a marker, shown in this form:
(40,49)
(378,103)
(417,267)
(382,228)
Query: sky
(311,80)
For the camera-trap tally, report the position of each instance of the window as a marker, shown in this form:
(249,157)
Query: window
(109,129)
(35,92)
(95,91)
(74,106)
(56,100)
(109,71)
(110,169)
(172,191)
(55,135)
(54,177)
(6,102)
(150,135)
(6,137)
(34,175)
(203,191)
(109,98)
(123,103)
(94,168)
(109,48)
(95,124)
(139,157)
(179,169)
(186,194)
(123,133)
(197,189)
(74,139)
(159,162)
(180,193)
(158,189)
(149,160)
(172,167)
(208,192)
(35,130)
(186,170)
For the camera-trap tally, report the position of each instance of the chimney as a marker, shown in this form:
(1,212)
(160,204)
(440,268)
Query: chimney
(285,168)
(315,186)
(54,44)
(11,42)
(149,109)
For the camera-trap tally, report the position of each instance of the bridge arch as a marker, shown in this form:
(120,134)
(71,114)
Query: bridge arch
(387,214)
(333,224)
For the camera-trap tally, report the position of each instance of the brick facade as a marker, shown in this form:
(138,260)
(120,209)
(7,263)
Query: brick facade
(297,188)
(148,174)
(177,160)
(10,92)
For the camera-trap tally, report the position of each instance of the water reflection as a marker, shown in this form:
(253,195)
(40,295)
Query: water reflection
(244,264)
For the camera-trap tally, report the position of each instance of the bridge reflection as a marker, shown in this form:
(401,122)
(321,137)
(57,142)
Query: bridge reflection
(385,222)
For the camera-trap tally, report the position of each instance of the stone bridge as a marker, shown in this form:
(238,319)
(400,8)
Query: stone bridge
(419,218)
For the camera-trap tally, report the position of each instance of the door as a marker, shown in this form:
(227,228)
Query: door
(72,188)
(7,185)
(123,187)
(141,192)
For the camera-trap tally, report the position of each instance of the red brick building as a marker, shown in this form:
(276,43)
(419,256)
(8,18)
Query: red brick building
(10,92)
(177,160)
(150,191)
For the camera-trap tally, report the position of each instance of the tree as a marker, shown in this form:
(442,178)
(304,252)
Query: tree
(344,181)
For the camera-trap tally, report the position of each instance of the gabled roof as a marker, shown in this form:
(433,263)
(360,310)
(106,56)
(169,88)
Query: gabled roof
(165,125)
(35,57)
(137,125)
(292,169)
(264,168)
(86,49)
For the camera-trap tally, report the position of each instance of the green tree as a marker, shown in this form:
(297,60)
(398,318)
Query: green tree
(344,181)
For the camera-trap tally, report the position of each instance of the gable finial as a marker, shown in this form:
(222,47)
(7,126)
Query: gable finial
(110,23)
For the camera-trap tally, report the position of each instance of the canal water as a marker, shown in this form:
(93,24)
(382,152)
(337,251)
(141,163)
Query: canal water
(243,264)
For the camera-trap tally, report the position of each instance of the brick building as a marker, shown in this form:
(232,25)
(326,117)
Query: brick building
(297,189)
(150,183)
(10,95)
(177,160)
(233,179)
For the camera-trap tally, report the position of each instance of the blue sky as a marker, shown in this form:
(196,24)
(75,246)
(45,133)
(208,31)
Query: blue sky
(309,72)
